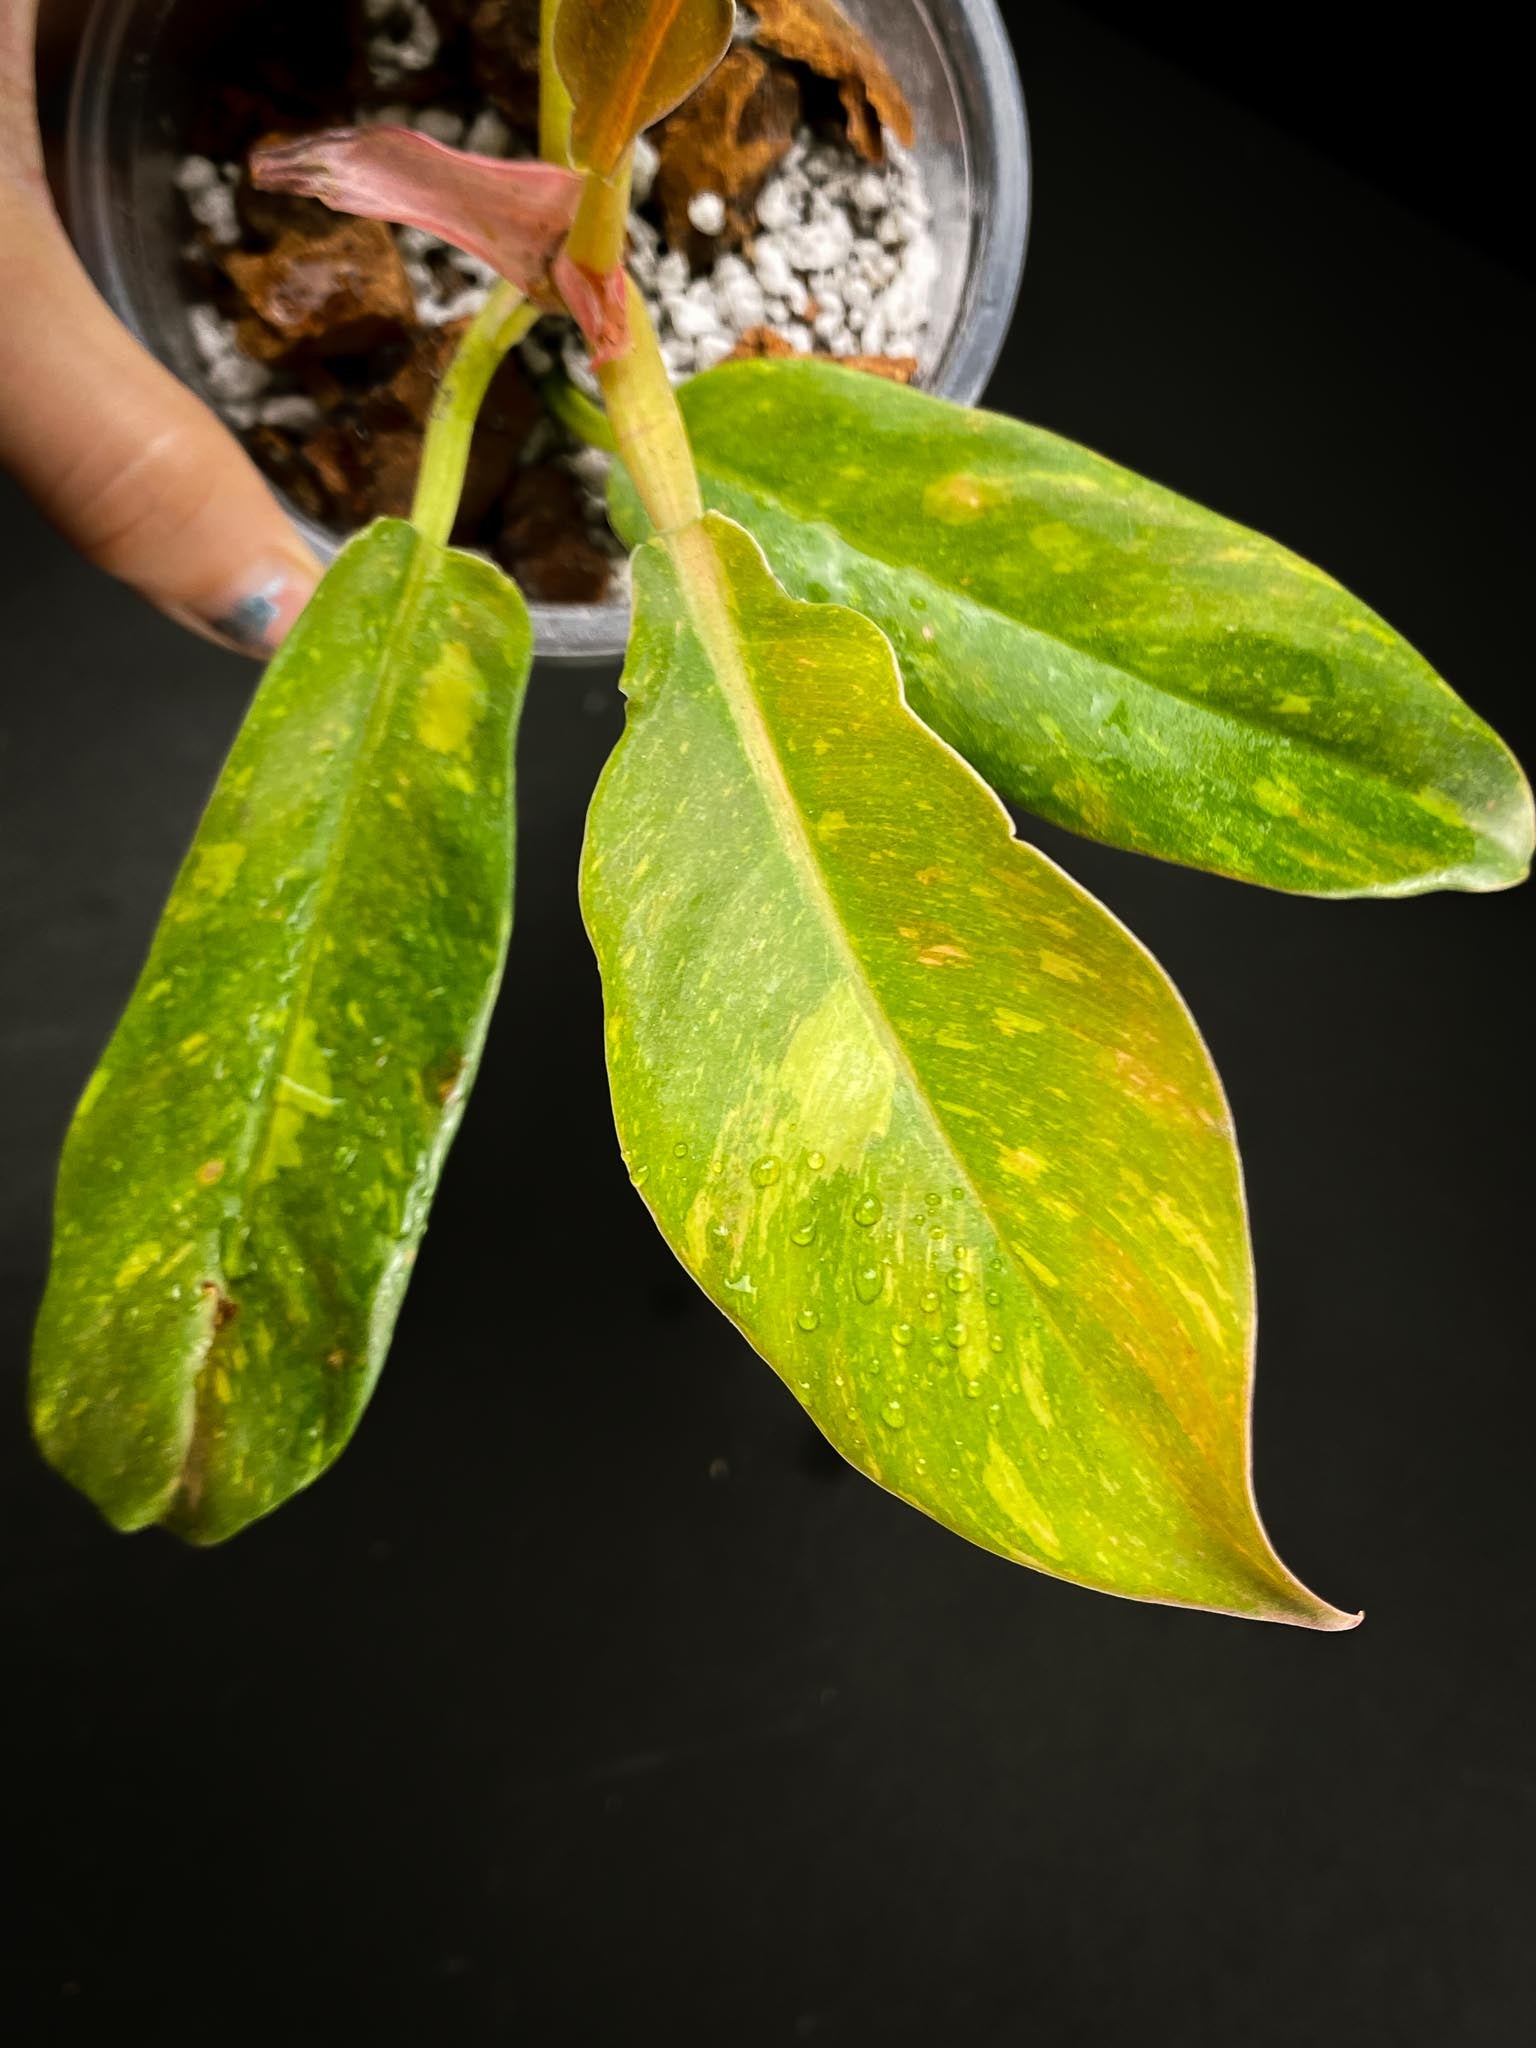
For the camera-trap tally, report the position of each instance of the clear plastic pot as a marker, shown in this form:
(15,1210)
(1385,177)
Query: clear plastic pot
(140,65)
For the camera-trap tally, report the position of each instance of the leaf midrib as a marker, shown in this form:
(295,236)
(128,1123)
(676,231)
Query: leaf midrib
(1218,714)
(621,111)
(258,1127)
(707,598)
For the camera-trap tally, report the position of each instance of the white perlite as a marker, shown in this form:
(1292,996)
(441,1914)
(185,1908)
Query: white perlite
(402,38)
(647,163)
(842,261)
(488,134)
(233,379)
(706,210)
(209,190)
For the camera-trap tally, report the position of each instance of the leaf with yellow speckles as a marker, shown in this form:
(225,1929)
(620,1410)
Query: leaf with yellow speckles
(1109,655)
(916,1112)
(248,1174)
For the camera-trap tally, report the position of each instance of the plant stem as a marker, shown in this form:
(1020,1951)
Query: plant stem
(601,226)
(501,323)
(571,406)
(648,427)
(554,100)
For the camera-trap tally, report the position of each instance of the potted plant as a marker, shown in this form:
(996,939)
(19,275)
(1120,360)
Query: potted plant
(169,99)
(929,1125)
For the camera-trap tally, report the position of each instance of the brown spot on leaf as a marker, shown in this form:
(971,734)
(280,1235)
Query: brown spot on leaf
(210,1171)
(439,1082)
(224,1310)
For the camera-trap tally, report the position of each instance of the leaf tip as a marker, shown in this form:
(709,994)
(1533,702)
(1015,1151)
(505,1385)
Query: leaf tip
(1306,1610)
(1506,838)
(1285,1600)
(127,1500)
(1499,819)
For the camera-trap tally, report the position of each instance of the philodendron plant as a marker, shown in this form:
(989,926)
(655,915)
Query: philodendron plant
(916,1112)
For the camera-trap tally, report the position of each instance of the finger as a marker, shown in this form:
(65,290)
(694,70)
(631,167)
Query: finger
(132,468)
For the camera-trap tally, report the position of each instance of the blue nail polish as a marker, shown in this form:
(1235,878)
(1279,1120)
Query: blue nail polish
(248,625)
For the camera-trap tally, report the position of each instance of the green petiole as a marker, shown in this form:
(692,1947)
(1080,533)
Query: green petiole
(576,412)
(501,323)
(648,426)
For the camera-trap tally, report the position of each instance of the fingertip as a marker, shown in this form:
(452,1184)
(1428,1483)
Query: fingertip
(134,469)
(255,612)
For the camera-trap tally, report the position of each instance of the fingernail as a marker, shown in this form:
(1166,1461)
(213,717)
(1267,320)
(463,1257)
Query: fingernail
(257,619)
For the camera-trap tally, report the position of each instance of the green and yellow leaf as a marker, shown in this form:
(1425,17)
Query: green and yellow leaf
(626,63)
(248,1175)
(1108,654)
(915,1111)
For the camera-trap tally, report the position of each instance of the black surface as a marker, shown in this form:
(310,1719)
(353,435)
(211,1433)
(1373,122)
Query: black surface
(524,1727)
(1430,105)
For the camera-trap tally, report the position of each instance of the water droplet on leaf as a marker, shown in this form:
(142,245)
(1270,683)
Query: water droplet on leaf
(893,1415)
(930,1303)
(807,1319)
(869,1283)
(955,1335)
(766,1171)
(815,1161)
(901,1333)
(867,1211)
(959,1282)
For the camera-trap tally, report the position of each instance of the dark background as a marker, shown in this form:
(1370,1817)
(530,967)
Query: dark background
(588,1700)
(1427,104)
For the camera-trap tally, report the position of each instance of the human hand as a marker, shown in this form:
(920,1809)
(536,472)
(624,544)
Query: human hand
(133,469)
